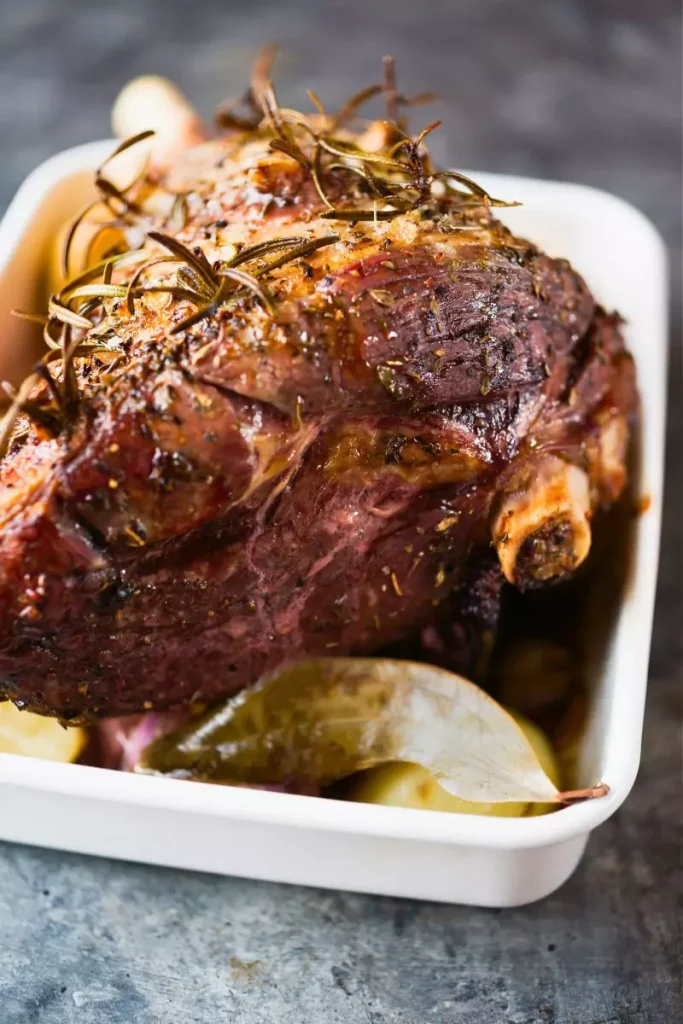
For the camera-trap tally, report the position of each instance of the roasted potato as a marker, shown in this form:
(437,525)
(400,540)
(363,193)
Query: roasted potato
(400,784)
(22,732)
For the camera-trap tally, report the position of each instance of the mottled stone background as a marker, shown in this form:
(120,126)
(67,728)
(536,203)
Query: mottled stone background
(587,91)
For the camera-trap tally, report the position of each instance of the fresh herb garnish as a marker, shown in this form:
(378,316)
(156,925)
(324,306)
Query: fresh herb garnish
(395,174)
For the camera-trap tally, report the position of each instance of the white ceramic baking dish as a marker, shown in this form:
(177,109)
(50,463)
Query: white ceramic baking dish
(451,857)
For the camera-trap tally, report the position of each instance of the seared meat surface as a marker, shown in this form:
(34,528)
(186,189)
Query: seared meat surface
(314,466)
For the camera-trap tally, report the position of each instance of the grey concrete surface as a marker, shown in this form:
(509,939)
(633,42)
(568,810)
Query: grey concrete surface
(580,90)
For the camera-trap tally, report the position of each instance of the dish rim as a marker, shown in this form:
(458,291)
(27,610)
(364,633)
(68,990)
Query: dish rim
(620,744)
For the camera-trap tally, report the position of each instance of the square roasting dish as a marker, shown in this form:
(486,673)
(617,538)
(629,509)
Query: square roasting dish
(395,851)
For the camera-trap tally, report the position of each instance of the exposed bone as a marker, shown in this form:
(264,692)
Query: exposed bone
(155,102)
(607,458)
(375,136)
(541,528)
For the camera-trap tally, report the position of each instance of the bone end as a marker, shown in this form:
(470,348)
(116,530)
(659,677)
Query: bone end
(153,102)
(607,461)
(541,529)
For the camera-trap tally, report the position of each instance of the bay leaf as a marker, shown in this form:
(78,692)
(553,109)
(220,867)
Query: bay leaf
(318,721)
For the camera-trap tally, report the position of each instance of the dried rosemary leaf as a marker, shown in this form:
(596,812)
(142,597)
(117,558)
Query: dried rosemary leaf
(382,296)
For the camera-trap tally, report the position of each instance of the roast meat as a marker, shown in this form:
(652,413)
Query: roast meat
(312,459)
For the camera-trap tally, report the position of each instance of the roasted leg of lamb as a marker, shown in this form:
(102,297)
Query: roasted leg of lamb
(316,386)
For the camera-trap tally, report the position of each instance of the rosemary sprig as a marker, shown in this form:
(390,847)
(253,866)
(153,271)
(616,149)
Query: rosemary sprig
(252,283)
(34,318)
(353,104)
(295,247)
(71,234)
(43,371)
(349,151)
(109,192)
(70,393)
(102,291)
(260,249)
(317,176)
(14,411)
(58,311)
(199,263)
(472,187)
(376,186)
(396,175)
(107,188)
(317,103)
(125,144)
(304,249)
(402,168)
(191,279)
(360,98)
(91,273)
(137,277)
(223,294)
(21,403)
(204,311)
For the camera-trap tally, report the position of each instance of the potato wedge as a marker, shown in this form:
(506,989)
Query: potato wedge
(22,732)
(545,753)
(400,784)
(536,676)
